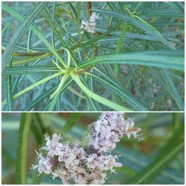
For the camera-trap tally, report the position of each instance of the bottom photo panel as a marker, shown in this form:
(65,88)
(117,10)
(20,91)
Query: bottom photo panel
(93,148)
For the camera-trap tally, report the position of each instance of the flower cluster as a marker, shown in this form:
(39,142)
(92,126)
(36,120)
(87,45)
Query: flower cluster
(90,26)
(87,165)
(108,130)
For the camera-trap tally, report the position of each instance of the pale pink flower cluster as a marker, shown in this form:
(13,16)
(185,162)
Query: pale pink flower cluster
(108,130)
(88,165)
(90,26)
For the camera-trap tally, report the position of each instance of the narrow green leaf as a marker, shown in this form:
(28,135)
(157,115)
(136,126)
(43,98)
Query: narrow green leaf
(123,32)
(36,31)
(47,15)
(73,9)
(93,106)
(96,97)
(173,89)
(164,59)
(91,41)
(117,70)
(39,99)
(22,149)
(165,81)
(127,96)
(10,101)
(57,92)
(37,84)
(138,24)
(180,6)
(30,59)
(72,120)
(29,70)
(20,31)
(38,128)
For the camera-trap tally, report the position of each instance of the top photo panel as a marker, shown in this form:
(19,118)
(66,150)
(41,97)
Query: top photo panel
(92,56)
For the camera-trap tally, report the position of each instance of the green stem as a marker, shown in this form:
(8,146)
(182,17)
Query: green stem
(117,70)
(37,84)
(96,97)
(56,94)
(58,90)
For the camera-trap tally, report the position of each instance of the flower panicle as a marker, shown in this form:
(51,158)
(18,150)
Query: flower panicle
(87,165)
(90,26)
(110,128)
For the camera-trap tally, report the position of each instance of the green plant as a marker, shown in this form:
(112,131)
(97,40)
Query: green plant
(133,61)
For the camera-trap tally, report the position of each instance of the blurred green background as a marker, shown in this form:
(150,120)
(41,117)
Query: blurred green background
(157,159)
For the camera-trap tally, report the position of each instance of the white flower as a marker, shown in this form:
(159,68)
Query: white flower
(97,177)
(93,18)
(53,146)
(90,26)
(84,24)
(44,165)
(81,178)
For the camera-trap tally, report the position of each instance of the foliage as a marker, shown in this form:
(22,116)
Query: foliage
(134,60)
